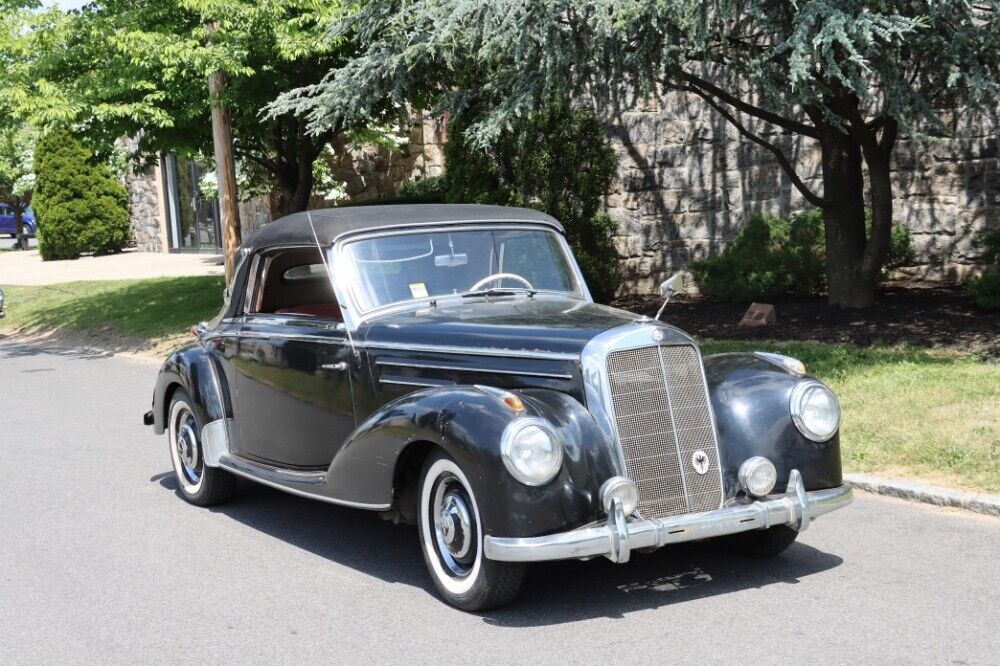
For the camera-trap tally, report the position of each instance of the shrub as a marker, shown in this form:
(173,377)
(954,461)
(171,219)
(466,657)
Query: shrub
(557,160)
(79,204)
(425,190)
(774,257)
(770,257)
(985,290)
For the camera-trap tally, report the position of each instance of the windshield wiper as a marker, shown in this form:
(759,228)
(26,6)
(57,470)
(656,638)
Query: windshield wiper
(499,291)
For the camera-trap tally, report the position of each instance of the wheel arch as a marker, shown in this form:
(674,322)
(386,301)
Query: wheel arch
(194,370)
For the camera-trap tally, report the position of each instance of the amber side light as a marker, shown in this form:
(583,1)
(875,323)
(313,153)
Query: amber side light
(514,403)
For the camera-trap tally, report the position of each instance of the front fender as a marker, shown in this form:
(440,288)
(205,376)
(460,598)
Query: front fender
(750,397)
(194,370)
(468,423)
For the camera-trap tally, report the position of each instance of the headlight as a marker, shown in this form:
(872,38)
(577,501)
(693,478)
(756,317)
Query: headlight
(815,410)
(531,451)
(621,489)
(757,476)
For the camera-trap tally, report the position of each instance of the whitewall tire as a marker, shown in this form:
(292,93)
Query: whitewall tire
(451,538)
(199,484)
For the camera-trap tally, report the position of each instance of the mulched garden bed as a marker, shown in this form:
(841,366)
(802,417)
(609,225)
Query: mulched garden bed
(918,314)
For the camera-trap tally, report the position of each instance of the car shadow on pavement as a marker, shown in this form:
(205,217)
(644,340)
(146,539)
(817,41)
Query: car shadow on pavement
(554,592)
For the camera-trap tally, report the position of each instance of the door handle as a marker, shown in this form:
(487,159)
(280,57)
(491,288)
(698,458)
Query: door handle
(335,366)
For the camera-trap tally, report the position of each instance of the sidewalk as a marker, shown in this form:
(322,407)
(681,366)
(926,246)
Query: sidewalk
(28,269)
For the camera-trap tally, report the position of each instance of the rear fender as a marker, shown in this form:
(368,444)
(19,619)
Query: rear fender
(197,372)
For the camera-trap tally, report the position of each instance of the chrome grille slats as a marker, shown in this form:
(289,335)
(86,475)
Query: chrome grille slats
(662,417)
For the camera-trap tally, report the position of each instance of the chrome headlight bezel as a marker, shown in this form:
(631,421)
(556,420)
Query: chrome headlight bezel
(799,394)
(509,440)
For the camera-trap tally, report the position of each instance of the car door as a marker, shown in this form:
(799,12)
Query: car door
(6,221)
(294,404)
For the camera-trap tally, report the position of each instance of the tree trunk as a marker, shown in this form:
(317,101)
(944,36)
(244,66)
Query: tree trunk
(849,283)
(295,185)
(22,240)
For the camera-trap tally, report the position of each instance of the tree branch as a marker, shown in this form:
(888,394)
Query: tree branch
(745,107)
(783,161)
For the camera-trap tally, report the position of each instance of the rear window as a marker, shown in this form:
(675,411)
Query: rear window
(303,273)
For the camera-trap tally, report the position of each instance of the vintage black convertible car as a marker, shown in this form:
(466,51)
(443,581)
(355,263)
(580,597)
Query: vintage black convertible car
(446,365)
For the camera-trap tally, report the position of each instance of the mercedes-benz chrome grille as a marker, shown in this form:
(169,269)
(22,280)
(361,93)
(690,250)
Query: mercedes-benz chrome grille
(664,421)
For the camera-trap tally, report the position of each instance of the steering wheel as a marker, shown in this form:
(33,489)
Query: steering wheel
(499,276)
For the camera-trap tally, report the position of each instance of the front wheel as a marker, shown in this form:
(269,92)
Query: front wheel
(199,484)
(451,539)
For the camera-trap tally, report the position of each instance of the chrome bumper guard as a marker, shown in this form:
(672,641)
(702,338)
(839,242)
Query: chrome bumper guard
(616,539)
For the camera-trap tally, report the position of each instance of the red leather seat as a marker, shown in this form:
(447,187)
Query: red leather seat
(326,310)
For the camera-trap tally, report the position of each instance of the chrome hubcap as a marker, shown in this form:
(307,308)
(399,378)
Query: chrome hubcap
(454,526)
(187,447)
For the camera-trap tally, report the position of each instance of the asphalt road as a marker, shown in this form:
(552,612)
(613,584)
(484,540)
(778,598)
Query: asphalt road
(100,561)
(6,242)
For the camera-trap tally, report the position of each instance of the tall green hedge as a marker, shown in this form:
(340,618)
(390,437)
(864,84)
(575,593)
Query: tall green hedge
(558,161)
(79,205)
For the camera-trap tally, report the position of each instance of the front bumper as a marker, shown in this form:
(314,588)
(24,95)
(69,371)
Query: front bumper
(616,539)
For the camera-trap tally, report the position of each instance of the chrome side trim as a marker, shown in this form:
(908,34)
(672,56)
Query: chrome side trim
(246,471)
(614,539)
(270,472)
(471,351)
(490,371)
(215,440)
(304,337)
(422,383)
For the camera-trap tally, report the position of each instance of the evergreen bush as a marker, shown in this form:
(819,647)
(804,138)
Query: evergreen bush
(79,205)
(986,288)
(558,161)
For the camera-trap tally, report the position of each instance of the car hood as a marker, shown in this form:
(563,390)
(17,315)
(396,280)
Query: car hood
(517,324)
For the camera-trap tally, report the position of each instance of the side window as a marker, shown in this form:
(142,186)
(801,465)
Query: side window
(294,281)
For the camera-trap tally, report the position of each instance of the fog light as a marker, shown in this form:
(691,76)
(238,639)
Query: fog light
(621,489)
(758,476)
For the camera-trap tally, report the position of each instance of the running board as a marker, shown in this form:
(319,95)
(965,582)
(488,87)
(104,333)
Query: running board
(269,473)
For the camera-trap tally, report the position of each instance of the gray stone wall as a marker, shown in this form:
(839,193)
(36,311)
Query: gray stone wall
(144,208)
(687,182)
(371,172)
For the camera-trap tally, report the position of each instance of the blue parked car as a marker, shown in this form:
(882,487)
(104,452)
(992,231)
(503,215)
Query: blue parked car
(7,222)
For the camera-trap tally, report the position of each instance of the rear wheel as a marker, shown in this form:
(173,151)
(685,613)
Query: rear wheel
(762,543)
(451,539)
(199,484)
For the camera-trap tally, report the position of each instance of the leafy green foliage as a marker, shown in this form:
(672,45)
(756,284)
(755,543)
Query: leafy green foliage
(985,289)
(423,190)
(139,69)
(774,257)
(850,75)
(80,205)
(557,160)
(771,257)
(17,181)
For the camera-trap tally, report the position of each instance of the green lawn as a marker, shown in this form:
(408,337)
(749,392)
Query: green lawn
(907,411)
(143,312)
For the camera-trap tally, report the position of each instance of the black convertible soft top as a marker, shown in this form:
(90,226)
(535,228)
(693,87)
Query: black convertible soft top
(332,223)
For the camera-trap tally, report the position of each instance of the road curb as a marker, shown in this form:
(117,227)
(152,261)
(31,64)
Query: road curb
(926,493)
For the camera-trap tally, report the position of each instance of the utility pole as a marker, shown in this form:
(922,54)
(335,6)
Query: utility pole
(225,169)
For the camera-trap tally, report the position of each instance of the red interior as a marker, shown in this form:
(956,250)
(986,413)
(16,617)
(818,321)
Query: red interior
(327,310)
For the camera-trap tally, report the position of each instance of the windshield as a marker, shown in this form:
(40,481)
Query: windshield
(392,269)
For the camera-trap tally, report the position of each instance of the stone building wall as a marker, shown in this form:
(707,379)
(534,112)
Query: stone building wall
(143,187)
(687,182)
(372,172)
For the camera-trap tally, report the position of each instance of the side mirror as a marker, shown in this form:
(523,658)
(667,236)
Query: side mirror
(672,285)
